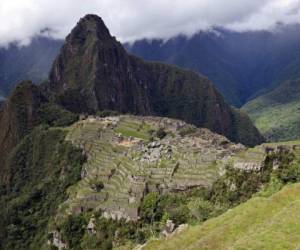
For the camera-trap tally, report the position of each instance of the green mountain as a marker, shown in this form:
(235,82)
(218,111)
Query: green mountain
(276,114)
(94,72)
(39,170)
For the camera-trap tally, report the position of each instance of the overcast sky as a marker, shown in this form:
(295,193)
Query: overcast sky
(128,20)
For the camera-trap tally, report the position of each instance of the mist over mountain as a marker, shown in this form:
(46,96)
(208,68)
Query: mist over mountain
(241,65)
(31,62)
(131,20)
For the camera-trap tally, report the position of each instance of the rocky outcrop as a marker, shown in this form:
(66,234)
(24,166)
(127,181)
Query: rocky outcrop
(169,228)
(94,72)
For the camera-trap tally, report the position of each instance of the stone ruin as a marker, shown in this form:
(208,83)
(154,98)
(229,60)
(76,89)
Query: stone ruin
(248,166)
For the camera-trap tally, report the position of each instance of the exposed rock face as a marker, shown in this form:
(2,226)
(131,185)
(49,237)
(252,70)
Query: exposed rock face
(169,228)
(18,116)
(94,72)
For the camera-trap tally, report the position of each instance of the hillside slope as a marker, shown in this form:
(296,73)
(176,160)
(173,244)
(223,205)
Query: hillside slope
(260,223)
(276,114)
(94,72)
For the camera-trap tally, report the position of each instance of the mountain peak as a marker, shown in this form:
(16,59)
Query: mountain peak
(91,17)
(90,25)
(94,72)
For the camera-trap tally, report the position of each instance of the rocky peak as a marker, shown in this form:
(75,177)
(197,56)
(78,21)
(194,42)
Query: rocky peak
(91,62)
(90,26)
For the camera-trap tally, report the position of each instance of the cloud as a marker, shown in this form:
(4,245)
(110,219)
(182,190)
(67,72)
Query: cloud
(129,20)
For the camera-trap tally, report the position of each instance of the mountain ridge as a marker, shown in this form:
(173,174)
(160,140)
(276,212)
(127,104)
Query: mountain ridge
(242,65)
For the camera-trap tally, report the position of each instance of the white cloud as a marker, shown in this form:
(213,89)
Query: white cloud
(133,19)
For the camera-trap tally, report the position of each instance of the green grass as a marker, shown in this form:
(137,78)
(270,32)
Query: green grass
(127,132)
(260,223)
(130,127)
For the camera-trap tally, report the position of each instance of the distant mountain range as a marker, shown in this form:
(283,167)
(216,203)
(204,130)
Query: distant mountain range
(241,65)
(31,62)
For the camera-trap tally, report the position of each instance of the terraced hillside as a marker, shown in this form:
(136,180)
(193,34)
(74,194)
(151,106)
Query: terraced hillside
(130,156)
